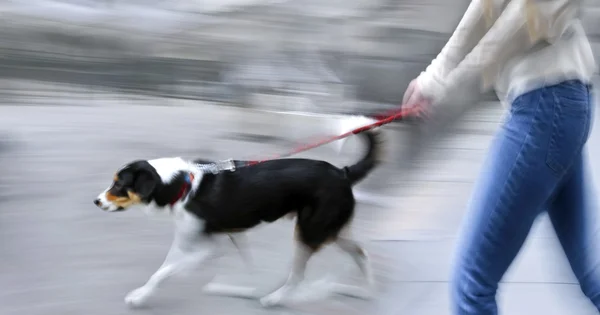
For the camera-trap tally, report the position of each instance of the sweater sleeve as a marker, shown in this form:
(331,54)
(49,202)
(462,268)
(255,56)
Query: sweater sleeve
(521,25)
(471,28)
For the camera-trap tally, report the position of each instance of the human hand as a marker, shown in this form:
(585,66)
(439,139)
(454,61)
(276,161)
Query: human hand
(415,100)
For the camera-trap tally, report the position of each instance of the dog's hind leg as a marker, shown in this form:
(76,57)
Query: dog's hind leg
(302,254)
(361,258)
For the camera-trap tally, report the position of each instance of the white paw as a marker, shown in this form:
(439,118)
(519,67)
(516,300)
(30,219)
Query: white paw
(272,299)
(138,297)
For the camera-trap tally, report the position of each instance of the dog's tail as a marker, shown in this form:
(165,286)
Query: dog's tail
(372,158)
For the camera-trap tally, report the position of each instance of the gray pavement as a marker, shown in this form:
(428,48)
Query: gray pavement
(60,255)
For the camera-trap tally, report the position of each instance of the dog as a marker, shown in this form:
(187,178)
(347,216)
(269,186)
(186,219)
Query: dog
(206,204)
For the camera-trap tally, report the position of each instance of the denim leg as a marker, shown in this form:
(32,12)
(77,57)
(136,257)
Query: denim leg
(525,164)
(574,215)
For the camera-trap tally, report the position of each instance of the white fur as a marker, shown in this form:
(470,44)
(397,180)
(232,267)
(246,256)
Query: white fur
(289,291)
(104,203)
(348,124)
(191,248)
(301,256)
(188,250)
(166,168)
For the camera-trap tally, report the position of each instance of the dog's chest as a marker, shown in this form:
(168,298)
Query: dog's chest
(186,222)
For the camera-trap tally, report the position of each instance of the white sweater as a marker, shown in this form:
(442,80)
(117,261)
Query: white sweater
(513,45)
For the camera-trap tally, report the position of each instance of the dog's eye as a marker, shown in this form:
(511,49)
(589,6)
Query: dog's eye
(117,186)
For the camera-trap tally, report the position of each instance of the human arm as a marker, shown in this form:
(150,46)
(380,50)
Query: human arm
(474,24)
(521,25)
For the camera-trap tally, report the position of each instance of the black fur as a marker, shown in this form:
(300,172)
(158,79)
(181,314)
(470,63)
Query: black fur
(141,177)
(318,192)
(361,169)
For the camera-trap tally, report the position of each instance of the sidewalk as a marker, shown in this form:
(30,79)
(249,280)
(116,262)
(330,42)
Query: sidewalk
(63,256)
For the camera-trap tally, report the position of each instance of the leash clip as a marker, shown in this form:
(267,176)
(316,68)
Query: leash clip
(225,165)
(217,167)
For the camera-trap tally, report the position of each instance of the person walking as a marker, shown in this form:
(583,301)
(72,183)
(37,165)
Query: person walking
(536,56)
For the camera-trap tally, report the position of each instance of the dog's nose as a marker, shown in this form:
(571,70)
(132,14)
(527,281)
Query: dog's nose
(97,202)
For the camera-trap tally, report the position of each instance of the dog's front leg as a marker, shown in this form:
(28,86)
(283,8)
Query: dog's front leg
(240,241)
(183,255)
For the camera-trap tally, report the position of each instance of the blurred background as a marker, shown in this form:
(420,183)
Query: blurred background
(88,85)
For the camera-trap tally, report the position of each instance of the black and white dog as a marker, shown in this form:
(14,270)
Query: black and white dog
(206,204)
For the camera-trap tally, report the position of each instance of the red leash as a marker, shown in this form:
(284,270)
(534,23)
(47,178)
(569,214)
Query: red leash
(382,119)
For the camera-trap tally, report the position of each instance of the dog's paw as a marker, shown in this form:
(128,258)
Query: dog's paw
(272,299)
(138,297)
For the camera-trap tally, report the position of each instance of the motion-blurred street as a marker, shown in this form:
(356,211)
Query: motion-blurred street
(88,85)
(61,255)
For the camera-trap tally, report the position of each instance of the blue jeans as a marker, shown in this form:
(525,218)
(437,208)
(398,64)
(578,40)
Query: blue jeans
(535,164)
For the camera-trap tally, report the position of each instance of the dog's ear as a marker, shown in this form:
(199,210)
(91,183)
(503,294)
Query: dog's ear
(144,185)
(145,181)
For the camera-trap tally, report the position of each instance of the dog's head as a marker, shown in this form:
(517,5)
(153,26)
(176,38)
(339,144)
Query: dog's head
(132,185)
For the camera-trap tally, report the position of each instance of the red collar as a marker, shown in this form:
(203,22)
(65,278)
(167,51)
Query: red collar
(185,188)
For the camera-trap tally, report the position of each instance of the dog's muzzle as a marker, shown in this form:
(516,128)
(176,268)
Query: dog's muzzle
(104,207)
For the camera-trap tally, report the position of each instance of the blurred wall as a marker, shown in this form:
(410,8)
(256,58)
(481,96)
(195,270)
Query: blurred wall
(229,50)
